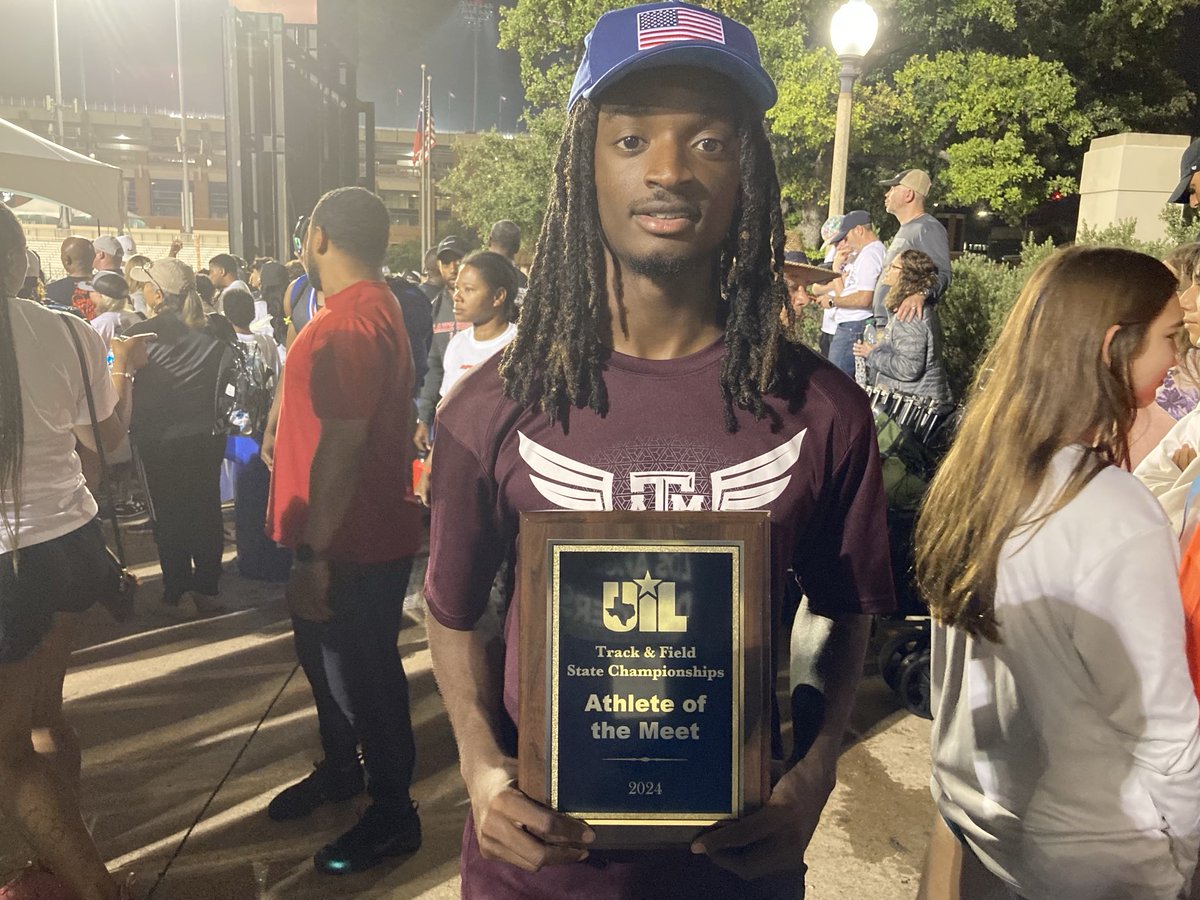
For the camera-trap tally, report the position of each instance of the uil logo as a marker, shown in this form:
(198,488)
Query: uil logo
(647,604)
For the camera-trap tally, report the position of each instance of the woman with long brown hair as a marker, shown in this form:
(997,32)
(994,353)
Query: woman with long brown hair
(52,564)
(1066,758)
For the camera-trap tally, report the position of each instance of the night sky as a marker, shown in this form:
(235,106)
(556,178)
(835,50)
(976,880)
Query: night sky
(125,50)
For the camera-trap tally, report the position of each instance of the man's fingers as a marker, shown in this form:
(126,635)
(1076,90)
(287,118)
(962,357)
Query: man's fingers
(542,823)
(526,834)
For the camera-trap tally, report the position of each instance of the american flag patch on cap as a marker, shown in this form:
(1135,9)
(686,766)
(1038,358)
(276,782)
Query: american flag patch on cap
(662,26)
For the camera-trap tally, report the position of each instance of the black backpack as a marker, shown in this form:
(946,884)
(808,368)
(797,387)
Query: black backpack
(245,389)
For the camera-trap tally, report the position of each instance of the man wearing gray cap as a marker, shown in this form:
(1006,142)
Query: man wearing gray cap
(905,199)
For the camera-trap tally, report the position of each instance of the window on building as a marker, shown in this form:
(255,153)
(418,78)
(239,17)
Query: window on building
(218,199)
(165,197)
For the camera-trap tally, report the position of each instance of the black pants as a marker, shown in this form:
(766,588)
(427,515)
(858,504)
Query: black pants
(258,556)
(357,678)
(184,479)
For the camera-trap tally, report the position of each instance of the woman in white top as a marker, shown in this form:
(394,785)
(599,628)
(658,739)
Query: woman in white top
(51,562)
(1066,758)
(485,298)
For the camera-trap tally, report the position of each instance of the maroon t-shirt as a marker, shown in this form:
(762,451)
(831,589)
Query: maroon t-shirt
(662,445)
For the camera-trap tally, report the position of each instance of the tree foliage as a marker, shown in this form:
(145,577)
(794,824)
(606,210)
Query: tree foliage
(996,98)
(506,176)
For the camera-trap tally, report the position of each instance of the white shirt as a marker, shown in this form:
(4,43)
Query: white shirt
(1160,474)
(1068,754)
(54,499)
(109,324)
(861,275)
(464,353)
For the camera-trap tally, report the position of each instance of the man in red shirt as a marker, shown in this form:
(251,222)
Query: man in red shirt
(341,498)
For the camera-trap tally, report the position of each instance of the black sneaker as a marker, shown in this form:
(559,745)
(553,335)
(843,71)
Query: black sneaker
(378,834)
(325,785)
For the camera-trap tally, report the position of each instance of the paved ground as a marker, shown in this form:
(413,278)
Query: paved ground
(168,712)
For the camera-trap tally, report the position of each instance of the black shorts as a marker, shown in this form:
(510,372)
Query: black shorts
(66,574)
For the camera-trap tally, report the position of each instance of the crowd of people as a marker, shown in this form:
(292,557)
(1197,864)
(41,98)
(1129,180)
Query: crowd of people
(1065,658)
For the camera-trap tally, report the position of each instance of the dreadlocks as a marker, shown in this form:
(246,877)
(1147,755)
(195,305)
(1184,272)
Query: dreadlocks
(556,359)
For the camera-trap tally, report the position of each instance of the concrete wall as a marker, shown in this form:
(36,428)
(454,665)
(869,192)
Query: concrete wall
(1130,176)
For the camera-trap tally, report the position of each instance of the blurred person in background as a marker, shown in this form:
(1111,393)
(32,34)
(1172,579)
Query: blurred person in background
(450,252)
(110,295)
(136,301)
(505,239)
(225,272)
(172,428)
(77,256)
(908,355)
(109,254)
(34,287)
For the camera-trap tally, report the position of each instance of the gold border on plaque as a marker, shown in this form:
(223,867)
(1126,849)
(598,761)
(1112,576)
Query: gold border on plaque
(735,550)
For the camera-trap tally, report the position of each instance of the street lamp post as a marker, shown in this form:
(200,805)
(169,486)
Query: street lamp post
(500,113)
(852,34)
(477,13)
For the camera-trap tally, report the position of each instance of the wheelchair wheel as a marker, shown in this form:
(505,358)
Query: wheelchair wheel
(914,686)
(896,650)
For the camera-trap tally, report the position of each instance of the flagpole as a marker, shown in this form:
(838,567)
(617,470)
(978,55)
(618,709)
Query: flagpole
(431,214)
(420,141)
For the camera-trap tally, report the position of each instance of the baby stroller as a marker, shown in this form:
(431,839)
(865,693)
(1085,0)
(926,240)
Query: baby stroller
(914,434)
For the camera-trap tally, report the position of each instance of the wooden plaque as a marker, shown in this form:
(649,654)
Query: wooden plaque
(644,668)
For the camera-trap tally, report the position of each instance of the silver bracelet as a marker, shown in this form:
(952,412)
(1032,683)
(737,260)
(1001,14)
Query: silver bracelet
(122,374)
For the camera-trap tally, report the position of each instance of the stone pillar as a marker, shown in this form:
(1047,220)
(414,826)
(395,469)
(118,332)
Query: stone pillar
(1130,176)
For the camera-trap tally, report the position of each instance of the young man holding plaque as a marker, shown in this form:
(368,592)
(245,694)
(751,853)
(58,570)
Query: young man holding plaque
(650,372)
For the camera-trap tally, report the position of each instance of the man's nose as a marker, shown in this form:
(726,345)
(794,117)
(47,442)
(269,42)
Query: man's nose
(668,164)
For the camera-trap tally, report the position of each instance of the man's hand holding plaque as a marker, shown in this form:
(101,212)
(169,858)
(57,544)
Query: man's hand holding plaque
(773,838)
(514,829)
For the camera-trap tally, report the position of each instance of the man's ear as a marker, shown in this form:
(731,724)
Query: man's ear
(318,239)
(1108,339)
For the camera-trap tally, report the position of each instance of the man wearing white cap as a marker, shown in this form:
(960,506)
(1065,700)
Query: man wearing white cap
(109,254)
(905,199)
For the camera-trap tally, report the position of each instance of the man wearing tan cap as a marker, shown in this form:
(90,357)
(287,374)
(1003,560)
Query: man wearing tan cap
(905,199)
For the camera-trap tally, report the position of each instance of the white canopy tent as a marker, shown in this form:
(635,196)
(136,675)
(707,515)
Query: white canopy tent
(32,165)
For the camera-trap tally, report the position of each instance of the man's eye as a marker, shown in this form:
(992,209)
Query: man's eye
(629,142)
(710,145)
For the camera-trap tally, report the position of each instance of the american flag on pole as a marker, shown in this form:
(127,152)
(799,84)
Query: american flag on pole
(662,26)
(425,138)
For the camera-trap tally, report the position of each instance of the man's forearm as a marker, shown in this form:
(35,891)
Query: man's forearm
(469,666)
(857,300)
(333,480)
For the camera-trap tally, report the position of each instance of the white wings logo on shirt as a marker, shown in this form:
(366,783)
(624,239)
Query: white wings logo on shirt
(570,484)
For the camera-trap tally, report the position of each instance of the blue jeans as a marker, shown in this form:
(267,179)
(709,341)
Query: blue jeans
(841,352)
(357,678)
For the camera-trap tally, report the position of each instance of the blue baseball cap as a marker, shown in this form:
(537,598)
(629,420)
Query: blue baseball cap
(653,35)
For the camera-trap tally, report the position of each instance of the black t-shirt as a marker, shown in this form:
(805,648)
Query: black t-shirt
(61,290)
(174,396)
